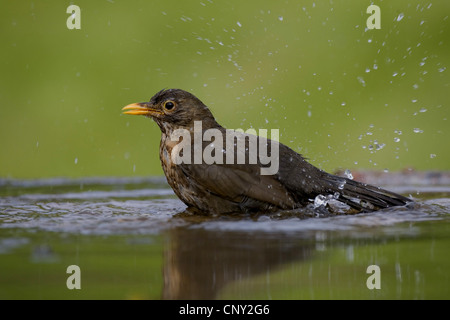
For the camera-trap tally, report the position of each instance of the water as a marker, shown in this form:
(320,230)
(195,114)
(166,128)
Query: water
(132,240)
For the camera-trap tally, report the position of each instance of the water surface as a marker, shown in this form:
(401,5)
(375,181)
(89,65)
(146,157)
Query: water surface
(132,239)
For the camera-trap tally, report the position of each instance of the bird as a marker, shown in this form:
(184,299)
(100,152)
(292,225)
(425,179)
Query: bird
(227,187)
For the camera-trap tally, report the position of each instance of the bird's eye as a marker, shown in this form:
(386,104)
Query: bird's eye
(169,105)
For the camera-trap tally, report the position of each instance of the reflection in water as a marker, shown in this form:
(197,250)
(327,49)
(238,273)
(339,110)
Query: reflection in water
(198,263)
(286,256)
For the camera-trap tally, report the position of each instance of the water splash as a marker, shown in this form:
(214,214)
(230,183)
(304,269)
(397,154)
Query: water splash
(361,81)
(348,174)
(342,184)
(320,201)
(400,16)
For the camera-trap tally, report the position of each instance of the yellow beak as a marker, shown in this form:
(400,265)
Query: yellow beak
(141,109)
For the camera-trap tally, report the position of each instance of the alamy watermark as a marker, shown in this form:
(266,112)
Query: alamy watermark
(74,280)
(227,147)
(374,21)
(74,20)
(374,280)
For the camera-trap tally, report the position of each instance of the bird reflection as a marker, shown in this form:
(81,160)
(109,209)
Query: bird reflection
(198,263)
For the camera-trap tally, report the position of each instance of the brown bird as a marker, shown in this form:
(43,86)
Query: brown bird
(227,184)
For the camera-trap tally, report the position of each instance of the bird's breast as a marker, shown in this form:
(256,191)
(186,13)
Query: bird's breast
(173,172)
(165,153)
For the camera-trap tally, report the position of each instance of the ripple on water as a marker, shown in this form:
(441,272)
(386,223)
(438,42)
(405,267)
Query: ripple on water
(148,206)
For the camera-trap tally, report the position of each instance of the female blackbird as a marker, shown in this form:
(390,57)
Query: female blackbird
(231,184)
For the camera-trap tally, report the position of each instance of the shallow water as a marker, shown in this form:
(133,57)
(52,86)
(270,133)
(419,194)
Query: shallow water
(131,239)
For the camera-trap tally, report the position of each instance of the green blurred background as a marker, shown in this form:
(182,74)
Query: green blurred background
(342,95)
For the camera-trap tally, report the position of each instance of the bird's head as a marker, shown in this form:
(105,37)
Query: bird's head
(172,109)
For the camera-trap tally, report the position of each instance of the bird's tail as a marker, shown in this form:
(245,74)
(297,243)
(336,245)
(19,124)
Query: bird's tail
(363,197)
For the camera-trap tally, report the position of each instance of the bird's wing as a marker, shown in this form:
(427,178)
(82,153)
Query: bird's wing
(300,178)
(239,183)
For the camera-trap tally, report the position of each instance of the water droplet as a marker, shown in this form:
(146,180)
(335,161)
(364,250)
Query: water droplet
(400,16)
(348,174)
(319,201)
(423,110)
(417,130)
(367,70)
(361,80)
(343,104)
(239,24)
(342,184)
(432,155)
(399,132)
(280,18)
(386,170)
(76,160)
(396,139)
(442,69)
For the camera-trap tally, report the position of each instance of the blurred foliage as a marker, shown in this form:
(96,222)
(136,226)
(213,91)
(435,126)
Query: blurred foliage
(336,90)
